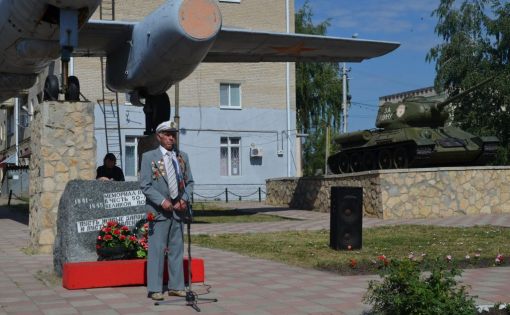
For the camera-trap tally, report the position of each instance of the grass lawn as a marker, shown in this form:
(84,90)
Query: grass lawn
(468,247)
(212,213)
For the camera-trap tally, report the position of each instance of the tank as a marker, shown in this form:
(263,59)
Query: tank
(412,134)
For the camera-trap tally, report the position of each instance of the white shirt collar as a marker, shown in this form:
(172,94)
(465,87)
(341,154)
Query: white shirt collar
(164,151)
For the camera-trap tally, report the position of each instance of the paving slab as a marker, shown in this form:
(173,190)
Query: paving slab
(242,285)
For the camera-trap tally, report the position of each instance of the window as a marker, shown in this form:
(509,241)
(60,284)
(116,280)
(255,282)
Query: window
(11,122)
(131,157)
(230,95)
(230,161)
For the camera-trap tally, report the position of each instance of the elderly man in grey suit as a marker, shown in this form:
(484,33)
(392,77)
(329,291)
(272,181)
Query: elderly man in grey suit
(167,182)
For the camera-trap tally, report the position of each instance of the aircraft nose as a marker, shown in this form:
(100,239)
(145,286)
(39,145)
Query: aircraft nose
(200,19)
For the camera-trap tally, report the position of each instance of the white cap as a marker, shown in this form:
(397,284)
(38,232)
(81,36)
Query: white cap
(167,126)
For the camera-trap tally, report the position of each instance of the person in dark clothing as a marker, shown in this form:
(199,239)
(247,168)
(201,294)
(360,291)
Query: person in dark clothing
(109,171)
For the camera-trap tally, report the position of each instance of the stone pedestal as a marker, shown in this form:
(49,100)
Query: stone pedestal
(63,148)
(403,194)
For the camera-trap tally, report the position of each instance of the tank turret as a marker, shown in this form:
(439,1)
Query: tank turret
(418,111)
(412,133)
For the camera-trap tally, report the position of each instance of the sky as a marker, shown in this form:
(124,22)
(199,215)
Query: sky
(408,22)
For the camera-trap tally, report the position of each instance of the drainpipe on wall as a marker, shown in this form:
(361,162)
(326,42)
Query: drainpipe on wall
(287,12)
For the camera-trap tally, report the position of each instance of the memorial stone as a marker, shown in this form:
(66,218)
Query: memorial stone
(85,206)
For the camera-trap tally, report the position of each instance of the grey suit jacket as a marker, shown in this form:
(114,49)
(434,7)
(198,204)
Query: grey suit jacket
(154,184)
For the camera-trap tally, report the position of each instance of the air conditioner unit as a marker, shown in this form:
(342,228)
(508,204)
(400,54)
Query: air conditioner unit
(255,152)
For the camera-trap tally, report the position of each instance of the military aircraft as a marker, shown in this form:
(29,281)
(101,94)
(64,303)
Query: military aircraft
(145,58)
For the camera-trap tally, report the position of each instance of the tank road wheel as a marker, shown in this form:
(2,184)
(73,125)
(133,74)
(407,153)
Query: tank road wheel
(401,158)
(385,160)
(344,166)
(51,88)
(369,160)
(333,164)
(356,162)
(73,89)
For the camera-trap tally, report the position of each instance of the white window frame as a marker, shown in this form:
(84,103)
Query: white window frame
(127,97)
(229,105)
(2,133)
(231,1)
(135,145)
(229,147)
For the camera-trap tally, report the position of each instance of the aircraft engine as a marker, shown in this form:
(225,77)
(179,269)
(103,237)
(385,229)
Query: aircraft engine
(165,47)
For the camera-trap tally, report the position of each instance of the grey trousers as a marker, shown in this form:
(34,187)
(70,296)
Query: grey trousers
(167,233)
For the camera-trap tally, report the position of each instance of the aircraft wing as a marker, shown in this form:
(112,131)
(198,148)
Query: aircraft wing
(97,38)
(239,45)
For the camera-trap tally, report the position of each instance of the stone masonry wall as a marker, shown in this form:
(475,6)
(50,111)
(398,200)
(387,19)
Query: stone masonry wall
(63,148)
(412,193)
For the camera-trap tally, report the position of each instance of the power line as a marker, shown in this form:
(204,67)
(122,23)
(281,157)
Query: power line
(365,104)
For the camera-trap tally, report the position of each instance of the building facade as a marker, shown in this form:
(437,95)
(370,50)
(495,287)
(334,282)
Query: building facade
(237,121)
(399,97)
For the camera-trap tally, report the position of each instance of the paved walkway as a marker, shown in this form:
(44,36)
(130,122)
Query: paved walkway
(242,285)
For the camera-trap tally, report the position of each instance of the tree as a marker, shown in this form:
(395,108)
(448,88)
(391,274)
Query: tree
(476,45)
(318,95)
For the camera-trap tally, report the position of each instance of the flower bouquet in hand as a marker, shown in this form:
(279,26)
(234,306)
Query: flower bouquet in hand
(115,241)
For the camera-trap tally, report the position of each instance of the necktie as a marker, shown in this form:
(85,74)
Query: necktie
(172,178)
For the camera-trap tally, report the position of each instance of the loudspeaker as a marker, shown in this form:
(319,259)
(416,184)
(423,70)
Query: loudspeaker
(346,217)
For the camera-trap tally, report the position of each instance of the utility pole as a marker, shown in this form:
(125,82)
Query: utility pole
(326,155)
(16,130)
(344,96)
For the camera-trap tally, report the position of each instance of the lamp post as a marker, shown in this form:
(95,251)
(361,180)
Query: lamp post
(344,96)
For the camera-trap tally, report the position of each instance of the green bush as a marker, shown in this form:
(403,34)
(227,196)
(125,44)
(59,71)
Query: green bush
(404,290)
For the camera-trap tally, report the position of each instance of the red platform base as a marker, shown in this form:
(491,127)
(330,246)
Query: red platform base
(116,273)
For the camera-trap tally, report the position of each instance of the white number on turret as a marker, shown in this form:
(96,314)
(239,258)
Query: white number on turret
(386,115)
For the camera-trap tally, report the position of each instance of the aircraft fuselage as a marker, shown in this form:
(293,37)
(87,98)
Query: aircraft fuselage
(166,47)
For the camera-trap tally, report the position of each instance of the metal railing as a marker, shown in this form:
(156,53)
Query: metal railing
(224,195)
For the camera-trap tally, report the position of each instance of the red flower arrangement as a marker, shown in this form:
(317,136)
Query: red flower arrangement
(115,241)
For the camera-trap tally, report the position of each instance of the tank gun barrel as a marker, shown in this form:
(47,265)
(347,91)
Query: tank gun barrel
(441,105)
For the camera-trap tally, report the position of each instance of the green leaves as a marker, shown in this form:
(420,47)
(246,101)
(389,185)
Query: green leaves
(404,290)
(318,95)
(476,45)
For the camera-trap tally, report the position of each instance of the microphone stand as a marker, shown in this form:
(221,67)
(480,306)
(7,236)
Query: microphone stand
(191,296)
